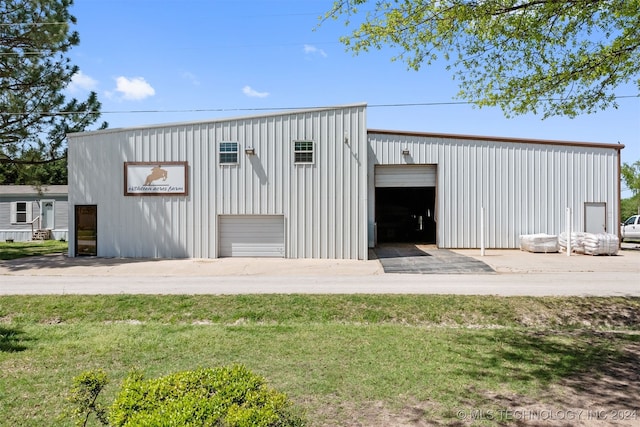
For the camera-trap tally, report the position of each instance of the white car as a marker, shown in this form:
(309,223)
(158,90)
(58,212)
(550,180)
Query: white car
(630,229)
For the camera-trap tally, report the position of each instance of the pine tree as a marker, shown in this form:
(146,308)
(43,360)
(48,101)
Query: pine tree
(35,38)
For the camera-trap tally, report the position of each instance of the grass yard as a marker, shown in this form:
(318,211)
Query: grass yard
(346,360)
(16,250)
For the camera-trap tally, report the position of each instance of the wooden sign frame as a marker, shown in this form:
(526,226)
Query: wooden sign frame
(156,178)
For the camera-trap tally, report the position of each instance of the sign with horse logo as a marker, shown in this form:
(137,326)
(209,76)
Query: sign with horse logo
(155,178)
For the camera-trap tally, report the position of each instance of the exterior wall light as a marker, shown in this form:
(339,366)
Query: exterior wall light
(250,151)
(405,151)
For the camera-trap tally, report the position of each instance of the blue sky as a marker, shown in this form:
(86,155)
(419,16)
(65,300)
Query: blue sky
(163,61)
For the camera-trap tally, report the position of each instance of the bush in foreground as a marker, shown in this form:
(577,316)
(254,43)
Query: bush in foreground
(84,397)
(225,396)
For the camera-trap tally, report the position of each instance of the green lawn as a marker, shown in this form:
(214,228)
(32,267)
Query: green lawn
(338,357)
(24,249)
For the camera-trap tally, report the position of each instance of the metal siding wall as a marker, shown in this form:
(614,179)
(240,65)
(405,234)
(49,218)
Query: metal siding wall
(323,204)
(524,188)
(5,214)
(357,131)
(61,213)
(60,210)
(326,206)
(150,226)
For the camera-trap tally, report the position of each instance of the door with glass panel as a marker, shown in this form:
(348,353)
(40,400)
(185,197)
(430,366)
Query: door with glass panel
(86,230)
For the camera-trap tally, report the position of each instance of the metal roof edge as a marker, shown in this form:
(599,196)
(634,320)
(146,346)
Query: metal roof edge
(617,146)
(273,112)
(47,190)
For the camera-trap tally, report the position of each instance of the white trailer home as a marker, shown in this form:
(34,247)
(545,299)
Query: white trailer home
(33,213)
(316,183)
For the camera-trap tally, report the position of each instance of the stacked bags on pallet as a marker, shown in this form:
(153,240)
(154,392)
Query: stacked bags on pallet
(545,243)
(577,242)
(591,244)
(601,244)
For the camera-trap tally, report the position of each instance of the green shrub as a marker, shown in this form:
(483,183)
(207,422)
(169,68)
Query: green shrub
(225,396)
(84,397)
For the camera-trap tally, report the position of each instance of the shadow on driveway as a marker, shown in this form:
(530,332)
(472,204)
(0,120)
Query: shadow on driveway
(62,261)
(410,259)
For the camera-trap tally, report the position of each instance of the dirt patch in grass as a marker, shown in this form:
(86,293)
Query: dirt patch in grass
(580,313)
(609,396)
(374,414)
(606,396)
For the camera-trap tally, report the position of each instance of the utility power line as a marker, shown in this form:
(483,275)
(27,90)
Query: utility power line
(231,109)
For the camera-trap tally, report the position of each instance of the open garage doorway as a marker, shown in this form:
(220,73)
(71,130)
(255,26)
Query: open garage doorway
(405,215)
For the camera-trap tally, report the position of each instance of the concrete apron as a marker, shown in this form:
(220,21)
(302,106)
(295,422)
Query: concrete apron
(411,259)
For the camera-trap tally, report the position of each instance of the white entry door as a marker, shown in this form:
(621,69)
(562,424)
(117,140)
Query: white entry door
(595,218)
(47,215)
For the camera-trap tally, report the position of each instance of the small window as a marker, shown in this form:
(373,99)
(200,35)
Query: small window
(20,212)
(228,152)
(303,151)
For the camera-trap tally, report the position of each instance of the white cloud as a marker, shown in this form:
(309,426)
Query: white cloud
(247,90)
(81,81)
(191,77)
(312,50)
(134,89)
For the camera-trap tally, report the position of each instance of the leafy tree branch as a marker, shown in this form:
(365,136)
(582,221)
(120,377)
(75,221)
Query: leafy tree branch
(549,57)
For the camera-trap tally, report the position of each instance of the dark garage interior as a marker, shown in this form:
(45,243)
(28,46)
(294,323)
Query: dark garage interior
(405,214)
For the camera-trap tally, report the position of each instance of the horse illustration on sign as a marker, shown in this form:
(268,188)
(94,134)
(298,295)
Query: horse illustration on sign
(154,179)
(156,173)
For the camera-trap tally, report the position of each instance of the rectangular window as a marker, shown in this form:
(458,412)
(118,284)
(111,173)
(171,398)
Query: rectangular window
(20,212)
(303,151)
(228,152)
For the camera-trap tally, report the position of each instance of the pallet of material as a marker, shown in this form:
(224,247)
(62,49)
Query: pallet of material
(539,243)
(590,243)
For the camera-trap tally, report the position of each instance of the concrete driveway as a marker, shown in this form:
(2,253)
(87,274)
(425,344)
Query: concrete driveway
(516,273)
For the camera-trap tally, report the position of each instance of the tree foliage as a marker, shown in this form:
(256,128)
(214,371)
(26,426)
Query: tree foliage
(628,207)
(31,170)
(554,57)
(35,37)
(631,176)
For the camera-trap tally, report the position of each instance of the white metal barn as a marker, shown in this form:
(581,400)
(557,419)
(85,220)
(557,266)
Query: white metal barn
(290,185)
(316,184)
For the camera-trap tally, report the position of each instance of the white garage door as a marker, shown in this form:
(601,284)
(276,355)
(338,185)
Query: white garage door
(251,236)
(405,176)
